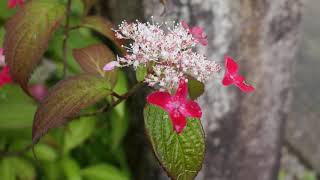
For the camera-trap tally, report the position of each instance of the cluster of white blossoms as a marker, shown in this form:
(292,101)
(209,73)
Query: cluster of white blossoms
(169,51)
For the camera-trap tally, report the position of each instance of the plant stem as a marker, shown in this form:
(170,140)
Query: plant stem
(108,107)
(65,38)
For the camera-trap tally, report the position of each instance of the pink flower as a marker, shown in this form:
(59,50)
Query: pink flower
(178,106)
(38,91)
(14,3)
(2,59)
(197,33)
(5,77)
(232,76)
(111,65)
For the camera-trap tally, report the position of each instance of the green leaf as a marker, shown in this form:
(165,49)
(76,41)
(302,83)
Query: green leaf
(195,87)
(104,27)
(27,35)
(181,155)
(44,153)
(22,168)
(103,172)
(71,169)
(78,131)
(88,5)
(20,106)
(67,99)
(141,73)
(6,170)
(52,171)
(93,58)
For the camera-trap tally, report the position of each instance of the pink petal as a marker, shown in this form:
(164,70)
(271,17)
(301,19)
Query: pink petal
(204,42)
(160,99)
(182,91)
(38,91)
(111,65)
(2,58)
(179,121)
(5,77)
(191,109)
(197,32)
(185,25)
(227,80)
(231,65)
(245,87)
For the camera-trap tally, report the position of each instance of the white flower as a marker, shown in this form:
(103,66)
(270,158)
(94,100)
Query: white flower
(168,49)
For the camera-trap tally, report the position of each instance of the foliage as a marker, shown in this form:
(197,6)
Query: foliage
(70,152)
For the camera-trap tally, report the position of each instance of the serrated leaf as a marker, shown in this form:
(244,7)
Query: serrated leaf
(93,58)
(181,155)
(78,131)
(195,87)
(67,99)
(88,5)
(103,172)
(27,35)
(141,73)
(71,169)
(104,27)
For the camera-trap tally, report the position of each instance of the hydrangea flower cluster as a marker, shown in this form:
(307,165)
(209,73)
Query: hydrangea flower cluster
(169,56)
(168,52)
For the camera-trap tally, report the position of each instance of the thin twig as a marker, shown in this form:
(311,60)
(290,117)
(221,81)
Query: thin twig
(109,107)
(16,153)
(74,27)
(65,38)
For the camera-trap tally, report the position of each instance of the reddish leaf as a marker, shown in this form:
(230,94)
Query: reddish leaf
(27,35)
(93,58)
(67,99)
(104,27)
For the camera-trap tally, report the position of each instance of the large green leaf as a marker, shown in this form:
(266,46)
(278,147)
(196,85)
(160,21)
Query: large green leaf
(27,35)
(104,27)
(103,172)
(181,155)
(93,58)
(78,131)
(66,100)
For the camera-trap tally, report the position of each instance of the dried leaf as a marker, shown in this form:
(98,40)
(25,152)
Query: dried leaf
(27,35)
(67,99)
